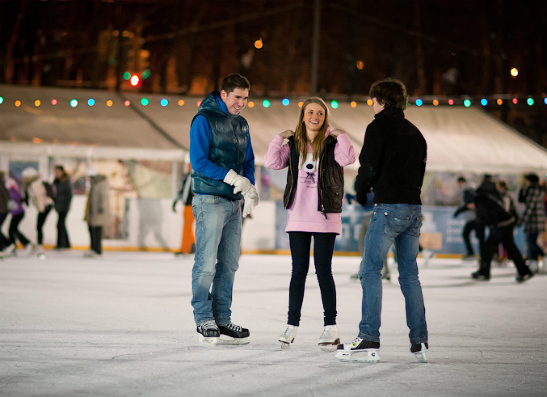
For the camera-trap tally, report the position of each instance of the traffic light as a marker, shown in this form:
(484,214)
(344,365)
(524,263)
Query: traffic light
(135,80)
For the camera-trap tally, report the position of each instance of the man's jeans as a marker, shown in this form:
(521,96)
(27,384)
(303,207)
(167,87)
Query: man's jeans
(218,239)
(398,223)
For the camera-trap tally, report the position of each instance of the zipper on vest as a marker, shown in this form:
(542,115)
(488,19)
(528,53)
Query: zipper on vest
(319,184)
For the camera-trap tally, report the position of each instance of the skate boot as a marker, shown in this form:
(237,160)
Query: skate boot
(360,350)
(329,339)
(543,266)
(524,277)
(209,333)
(238,335)
(533,266)
(420,351)
(287,337)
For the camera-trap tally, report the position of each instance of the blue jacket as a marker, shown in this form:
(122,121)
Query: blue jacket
(219,142)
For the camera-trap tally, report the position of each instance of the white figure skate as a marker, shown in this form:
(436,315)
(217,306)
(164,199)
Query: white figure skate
(287,337)
(329,339)
(359,350)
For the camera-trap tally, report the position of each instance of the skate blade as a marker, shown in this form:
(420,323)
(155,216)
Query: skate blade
(208,341)
(285,345)
(421,356)
(233,341)
(370,356)
(329,346)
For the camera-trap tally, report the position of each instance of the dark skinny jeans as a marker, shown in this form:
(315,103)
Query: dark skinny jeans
(62,234)
(503,235)
(42,216)
(323,247)
(14,232)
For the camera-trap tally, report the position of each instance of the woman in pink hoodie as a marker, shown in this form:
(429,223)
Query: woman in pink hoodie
(315,156)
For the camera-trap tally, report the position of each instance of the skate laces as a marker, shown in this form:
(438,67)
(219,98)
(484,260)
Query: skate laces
(355,342)
(326,331)
(210,324)
(288,330)
(232,327)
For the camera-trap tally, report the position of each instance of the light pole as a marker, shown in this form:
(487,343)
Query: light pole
(315,47)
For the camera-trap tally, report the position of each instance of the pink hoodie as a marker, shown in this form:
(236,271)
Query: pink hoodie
(303,215)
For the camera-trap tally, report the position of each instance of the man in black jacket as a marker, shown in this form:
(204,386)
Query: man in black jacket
(63,191)
(392,162)
(491,211)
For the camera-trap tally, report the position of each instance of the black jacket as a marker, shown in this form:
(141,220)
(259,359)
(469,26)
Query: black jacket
(392,160)
(63,189)
(489,207)
(331,178)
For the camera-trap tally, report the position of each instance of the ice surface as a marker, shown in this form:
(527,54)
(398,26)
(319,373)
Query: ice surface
(122,325)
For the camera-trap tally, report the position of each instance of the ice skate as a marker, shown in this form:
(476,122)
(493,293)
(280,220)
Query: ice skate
(287,337)
(427,255)
(533,266)
(10,250)
(543,265)
(40,252)
(233,335)
(329,339)
(29,248)
(420,351)
(359,350)
(524,277)
(209,333)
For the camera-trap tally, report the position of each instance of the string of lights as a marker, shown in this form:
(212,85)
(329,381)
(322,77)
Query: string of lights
(495,100)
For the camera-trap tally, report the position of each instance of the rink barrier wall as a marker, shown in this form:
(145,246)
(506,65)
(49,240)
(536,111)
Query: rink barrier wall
(157,228)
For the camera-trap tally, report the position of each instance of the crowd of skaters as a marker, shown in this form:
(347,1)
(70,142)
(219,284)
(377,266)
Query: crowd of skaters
(33,191)
(491,213)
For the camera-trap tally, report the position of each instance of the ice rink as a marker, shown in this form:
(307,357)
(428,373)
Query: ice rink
(122,325)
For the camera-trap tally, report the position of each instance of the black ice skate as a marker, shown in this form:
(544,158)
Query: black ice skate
(420,351)
(359,350)
(237,335)
(209,333)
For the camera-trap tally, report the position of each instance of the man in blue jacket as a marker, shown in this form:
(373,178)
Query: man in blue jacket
(223,166)
(392,163)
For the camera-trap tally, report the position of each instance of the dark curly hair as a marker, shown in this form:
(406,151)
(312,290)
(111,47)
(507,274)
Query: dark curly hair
(390,92)
(233,81)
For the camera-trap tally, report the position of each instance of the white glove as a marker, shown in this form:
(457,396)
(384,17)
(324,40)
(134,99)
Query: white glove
(251,201)
(240,183)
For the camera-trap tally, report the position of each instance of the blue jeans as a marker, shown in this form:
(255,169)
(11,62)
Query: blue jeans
(399,224)
(218,239)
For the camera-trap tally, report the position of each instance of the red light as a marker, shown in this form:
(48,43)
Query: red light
(198,103)
(515,101)
(127,102)
(134,80)
(54,102)
(451,102)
